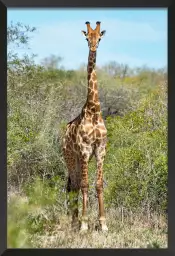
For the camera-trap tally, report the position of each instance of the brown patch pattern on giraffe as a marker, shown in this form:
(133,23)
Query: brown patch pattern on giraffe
(86,136)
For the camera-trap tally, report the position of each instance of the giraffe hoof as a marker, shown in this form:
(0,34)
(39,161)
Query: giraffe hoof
(104,228)
(103,225)
(84,226)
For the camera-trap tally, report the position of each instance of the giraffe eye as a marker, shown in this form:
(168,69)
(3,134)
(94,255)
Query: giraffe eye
(86,39)
(99,39)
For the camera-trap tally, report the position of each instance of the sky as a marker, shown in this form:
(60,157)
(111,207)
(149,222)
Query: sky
(133,36)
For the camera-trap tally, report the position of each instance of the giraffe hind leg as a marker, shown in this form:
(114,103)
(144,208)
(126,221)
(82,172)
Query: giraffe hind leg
(72,188)
(72,203)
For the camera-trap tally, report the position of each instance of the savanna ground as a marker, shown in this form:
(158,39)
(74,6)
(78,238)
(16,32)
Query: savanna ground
(41,100)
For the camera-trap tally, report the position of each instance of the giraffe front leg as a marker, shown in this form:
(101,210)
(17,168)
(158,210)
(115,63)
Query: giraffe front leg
(99,188)
(84,189)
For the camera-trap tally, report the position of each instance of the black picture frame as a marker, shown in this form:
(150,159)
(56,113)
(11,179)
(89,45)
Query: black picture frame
(4,4)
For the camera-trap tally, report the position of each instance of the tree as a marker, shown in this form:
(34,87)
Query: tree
(52,62)
(117,70)
(18,36)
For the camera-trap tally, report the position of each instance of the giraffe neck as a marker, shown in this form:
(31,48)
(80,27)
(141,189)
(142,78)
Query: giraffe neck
(92,102)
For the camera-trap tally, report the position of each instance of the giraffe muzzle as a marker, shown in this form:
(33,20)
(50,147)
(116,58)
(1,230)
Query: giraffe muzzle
(93,47)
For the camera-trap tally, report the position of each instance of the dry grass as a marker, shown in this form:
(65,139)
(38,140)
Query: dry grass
(126,229)
(128,233)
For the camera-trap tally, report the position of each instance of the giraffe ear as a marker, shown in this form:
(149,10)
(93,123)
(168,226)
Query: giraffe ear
(84,33)
(102,33)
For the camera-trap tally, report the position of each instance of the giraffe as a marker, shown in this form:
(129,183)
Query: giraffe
(86,136)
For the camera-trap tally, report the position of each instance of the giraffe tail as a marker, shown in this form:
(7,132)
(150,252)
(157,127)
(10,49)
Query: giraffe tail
(68,190)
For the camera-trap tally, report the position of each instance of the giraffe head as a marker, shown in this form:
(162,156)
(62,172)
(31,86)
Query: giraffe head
(93,36)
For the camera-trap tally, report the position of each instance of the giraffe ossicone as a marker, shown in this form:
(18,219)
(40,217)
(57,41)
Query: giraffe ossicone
(86,136)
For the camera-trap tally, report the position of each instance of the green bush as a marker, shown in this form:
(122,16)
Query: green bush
(38,212)
(136,162)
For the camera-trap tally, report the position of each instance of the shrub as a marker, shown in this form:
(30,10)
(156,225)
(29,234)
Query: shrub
(136,163)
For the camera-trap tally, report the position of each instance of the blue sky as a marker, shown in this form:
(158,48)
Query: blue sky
(133,36)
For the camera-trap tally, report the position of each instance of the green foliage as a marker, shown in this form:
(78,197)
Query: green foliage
(45,192)
(17,235)
(18,34)
(153,245)
(33,123)
(136,164)
(48,197)
(39,211)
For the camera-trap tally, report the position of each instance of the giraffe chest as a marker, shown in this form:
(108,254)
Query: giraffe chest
(91,133)
(84,137)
